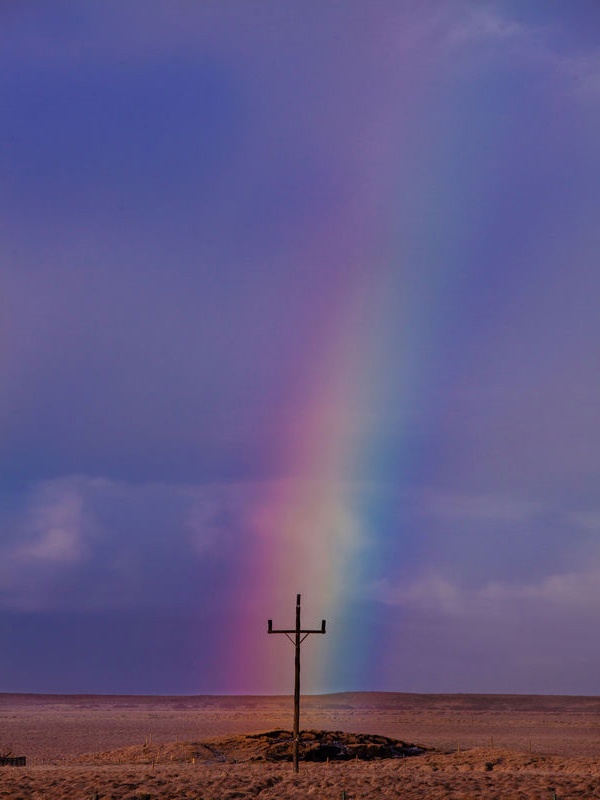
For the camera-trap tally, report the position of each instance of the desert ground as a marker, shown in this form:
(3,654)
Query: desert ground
(494,747)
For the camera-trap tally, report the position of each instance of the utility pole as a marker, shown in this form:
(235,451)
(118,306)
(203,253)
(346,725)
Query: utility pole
(299,636)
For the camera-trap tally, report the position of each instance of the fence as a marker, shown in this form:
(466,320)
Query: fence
(13,761)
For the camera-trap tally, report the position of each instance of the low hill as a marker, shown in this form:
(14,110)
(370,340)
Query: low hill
(274,745)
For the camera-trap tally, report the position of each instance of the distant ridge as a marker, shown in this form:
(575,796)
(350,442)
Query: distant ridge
(337,700)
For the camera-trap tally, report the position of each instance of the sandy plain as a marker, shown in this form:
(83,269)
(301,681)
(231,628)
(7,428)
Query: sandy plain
(137,748)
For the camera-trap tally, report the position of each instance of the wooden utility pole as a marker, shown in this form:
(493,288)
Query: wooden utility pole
(299,636)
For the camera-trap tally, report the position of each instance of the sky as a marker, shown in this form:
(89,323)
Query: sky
(299,297)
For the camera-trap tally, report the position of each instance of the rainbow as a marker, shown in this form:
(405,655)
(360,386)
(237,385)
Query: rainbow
(366,370)
(310,527)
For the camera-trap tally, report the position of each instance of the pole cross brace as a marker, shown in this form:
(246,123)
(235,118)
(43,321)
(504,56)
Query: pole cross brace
(270,629)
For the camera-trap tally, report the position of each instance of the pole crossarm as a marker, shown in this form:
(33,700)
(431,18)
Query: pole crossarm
(293,630)
(299,634)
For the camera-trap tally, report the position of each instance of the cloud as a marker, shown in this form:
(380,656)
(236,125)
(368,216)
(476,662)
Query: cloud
(56,521)
(493,557)
(43,541)
(572,593)
(432,593)
(220,513)
(586,520)
(476,507)
(575,69)
(483,25)
(121,35)
(94,543)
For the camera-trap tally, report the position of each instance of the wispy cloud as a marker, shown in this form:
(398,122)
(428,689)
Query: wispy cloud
(586,520)
(475,507)
(47,539)
(481,24)
(570,592)
(431,593)
(492,32)
(567,593)
(56,527)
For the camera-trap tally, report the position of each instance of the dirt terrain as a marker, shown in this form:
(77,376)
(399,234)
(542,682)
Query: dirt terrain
(150,748)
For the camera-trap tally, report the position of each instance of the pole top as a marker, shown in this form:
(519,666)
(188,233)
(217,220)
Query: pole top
(297,599)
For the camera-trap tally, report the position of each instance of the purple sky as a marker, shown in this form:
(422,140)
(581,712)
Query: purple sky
(199,204)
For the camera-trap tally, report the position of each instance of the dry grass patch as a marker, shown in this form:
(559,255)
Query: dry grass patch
(435,776)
